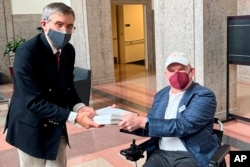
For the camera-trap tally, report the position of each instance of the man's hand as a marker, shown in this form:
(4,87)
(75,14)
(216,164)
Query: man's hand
(132,122)
(85,117)
(87,109)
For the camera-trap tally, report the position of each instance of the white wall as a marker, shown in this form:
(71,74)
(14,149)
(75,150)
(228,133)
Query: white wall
(32,6)
(134,33)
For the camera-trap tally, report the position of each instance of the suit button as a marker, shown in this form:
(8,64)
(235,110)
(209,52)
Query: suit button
(45,125)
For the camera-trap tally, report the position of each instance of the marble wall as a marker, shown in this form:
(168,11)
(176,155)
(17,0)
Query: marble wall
(100,41)
(5,17)
(93,39)
(14,25)
(174,31)
(215,52)
(80,38)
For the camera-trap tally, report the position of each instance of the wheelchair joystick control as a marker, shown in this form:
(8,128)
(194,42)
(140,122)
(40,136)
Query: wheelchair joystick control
(133,153)
(133,145)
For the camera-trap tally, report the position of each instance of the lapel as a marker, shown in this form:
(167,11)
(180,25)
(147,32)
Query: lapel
(186,99)
(163,102)
(50,64)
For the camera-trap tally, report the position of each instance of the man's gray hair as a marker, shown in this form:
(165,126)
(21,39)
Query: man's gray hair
(57,7)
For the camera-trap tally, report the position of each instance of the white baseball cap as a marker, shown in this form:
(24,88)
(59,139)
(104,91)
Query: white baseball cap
(177,57)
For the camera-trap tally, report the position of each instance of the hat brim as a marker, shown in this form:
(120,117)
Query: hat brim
(185,63)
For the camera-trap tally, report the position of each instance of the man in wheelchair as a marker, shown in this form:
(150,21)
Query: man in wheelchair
(180,122)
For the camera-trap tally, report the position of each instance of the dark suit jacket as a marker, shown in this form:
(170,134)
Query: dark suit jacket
(194,123)
(42,98)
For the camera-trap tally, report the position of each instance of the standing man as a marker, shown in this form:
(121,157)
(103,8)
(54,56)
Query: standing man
(180,122)
(44,97)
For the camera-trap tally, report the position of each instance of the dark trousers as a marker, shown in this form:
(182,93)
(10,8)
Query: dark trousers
(161,158)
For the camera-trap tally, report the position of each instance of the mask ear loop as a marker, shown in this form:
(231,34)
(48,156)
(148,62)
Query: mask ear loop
(190,78)
(189,71)
(191,68)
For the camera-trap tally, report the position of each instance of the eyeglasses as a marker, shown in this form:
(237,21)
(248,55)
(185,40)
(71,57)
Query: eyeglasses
(60,25)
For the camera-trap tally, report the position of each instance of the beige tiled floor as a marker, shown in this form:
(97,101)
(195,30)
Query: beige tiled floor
(134,90)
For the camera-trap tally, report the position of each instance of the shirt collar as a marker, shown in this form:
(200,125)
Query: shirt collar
(54,50)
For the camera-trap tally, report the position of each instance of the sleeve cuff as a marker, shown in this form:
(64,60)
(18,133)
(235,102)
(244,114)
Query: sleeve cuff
(73,114)
(78,106)
(72,117)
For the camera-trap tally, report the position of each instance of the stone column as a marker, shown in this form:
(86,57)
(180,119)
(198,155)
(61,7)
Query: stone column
(198,28)
(94,38)
(6,33)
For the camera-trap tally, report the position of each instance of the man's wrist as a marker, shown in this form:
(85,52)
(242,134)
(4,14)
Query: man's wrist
(144,122)
(76,118)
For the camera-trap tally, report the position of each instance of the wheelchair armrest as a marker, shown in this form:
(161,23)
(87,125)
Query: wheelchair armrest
(220,155)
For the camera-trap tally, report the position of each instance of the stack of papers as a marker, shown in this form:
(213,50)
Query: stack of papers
(107,119)
(109,115)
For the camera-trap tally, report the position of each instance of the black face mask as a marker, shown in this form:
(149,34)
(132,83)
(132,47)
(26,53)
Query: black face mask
(58,39)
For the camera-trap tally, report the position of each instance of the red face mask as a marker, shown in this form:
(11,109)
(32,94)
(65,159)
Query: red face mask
(179,80)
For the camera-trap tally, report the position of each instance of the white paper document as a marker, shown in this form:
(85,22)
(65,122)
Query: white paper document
(109,115)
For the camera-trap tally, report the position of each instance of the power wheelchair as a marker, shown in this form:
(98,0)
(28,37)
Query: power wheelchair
(135,152)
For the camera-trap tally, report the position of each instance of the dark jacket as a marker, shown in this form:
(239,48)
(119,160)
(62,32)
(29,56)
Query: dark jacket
(42,98)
